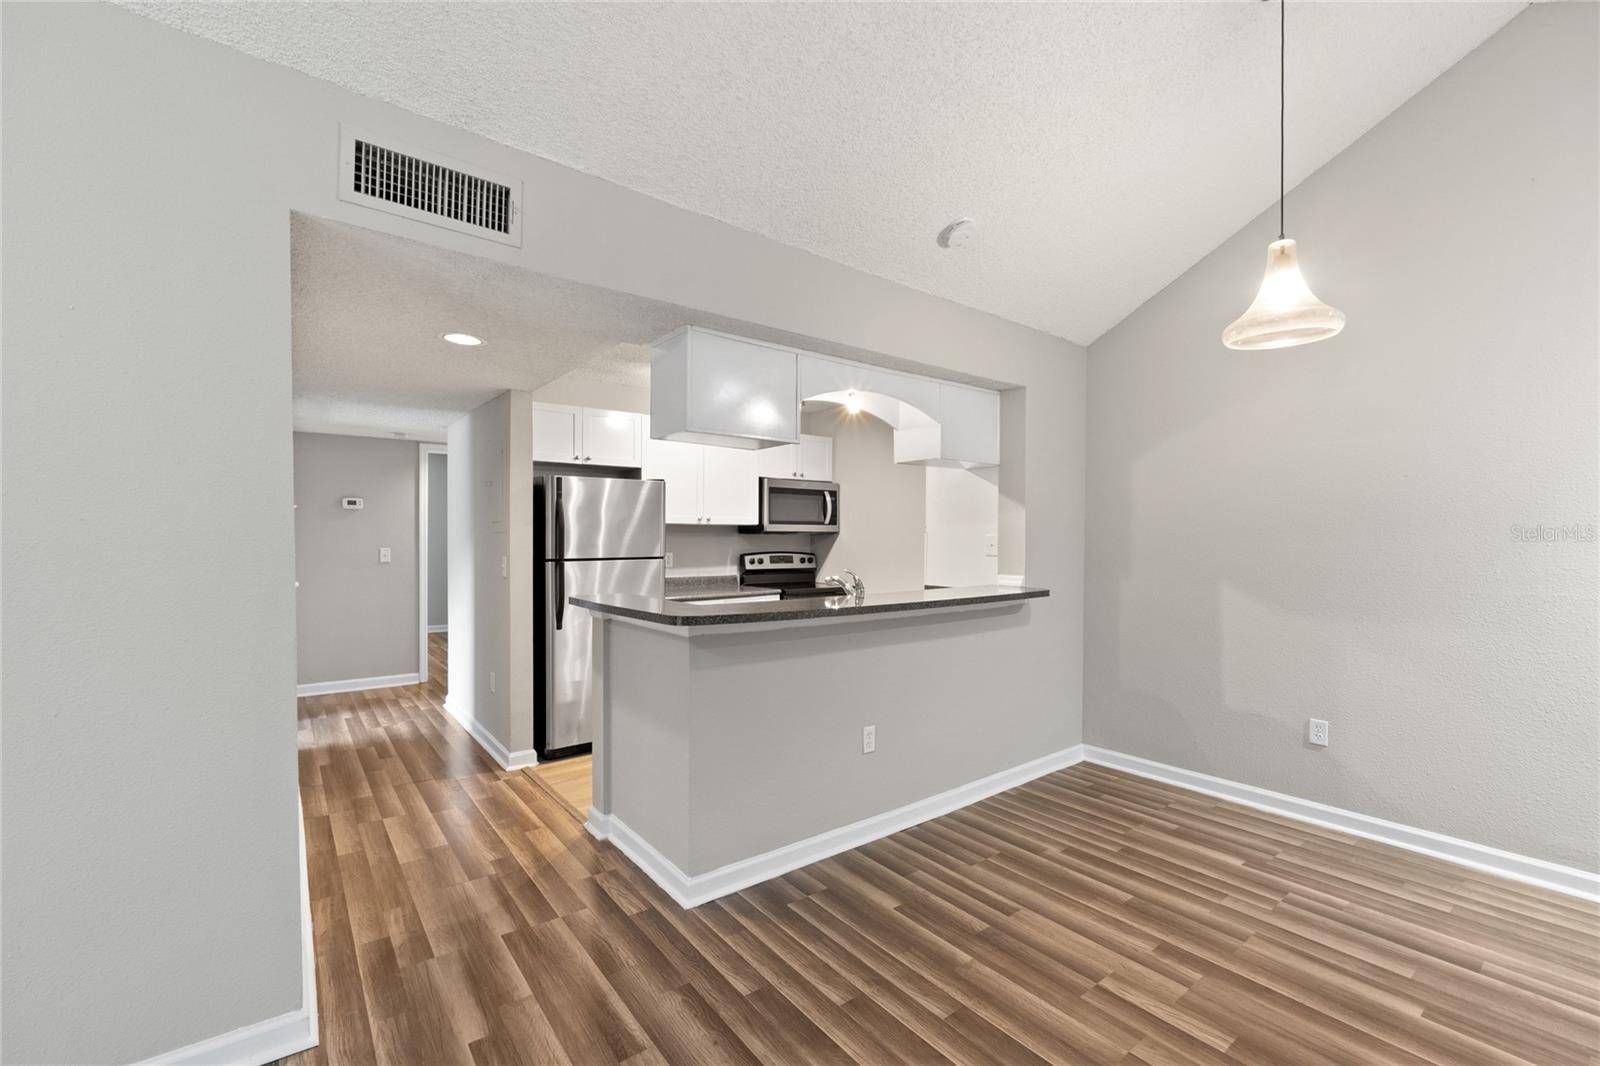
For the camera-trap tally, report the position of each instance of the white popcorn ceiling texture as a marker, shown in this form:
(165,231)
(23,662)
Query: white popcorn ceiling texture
(1102,148)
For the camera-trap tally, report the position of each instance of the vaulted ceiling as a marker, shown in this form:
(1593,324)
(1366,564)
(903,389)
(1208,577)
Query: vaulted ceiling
(1100,148)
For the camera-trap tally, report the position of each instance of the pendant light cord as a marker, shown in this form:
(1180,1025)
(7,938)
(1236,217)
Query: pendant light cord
(1283,47)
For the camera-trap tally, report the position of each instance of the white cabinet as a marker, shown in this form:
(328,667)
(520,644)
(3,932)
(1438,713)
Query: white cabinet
(964,433)
(706,486)
(557,433)
(729,487)
(680,466)
(713,388)
(969,424)
(611,438)
(586,436)
(811,459)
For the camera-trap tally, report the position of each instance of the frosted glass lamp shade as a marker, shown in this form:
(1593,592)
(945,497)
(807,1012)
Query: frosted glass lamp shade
(1285,312)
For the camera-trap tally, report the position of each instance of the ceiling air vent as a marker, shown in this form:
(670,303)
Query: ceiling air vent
(429,188)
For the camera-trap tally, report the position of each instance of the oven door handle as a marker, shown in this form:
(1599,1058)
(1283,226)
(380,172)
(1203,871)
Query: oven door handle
(827,516)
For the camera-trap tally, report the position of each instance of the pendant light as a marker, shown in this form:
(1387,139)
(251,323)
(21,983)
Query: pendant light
(1285,311)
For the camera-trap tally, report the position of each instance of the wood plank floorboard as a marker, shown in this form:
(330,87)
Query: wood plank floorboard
(463,915)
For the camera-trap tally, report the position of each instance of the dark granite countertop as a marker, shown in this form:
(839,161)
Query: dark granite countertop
(677,612)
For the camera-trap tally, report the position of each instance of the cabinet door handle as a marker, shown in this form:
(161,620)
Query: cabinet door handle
(574,458)
(586,458)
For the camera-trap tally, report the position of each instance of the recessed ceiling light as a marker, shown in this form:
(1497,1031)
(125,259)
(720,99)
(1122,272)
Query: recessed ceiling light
(466,340)
(956,235)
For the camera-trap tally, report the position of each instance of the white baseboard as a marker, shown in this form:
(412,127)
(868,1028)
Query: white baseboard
(1563,879)
(691,891)
(267,1041)
(356,684)
(308,940)
(1013,581)
(506,760)
(439,629)
(275,1038)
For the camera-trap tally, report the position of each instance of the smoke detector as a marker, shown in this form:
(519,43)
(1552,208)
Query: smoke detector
(957,234)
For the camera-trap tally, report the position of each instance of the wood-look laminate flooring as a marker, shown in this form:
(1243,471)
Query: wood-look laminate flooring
(571,779)
(462,914)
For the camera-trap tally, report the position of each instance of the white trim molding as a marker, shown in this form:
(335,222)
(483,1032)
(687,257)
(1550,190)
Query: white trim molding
(691,891)
(506,760)
(251,1045)
(1563,879)
(276,1038)
(424,451)
(355,684)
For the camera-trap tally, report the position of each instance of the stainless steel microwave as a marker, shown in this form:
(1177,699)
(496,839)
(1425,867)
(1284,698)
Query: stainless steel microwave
(791,505)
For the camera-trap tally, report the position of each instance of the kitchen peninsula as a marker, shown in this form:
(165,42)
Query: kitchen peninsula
(740,740)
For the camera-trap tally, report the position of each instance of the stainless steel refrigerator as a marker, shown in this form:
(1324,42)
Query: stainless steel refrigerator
(592,535)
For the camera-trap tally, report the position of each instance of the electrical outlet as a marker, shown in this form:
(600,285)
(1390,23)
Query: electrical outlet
(669,560)
(505,567)
(991,546)
(1317,732)
(869,739)
(384,556)
(491,680)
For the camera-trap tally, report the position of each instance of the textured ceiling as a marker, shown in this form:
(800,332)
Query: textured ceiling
(1102,148)
(368,309)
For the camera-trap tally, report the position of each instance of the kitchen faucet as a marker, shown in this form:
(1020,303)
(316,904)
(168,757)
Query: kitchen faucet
(853,585)
(857,587)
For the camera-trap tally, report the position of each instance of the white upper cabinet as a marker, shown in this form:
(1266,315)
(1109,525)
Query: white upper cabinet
(729,487)
(557,433)
(611,438)
(816,457)
(680,466)
(586,436)
(811,459)
(969,425)
(706,486)
(936,423)
(712,388)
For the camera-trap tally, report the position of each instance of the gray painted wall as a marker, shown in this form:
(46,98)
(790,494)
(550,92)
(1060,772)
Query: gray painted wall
(355,617)
(121,325)
(710,777)
(1327,531)
(1013,482)
(491,569)
(882,504)
(438,540)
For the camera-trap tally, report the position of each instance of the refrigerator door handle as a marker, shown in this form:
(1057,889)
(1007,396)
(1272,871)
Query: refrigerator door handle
(559,557)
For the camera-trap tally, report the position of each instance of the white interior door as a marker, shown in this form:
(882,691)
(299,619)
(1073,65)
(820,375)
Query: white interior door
(679,465)
(610,438)
(556,430)
(729,486)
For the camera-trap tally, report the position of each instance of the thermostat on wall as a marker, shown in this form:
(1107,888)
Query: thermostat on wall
(352,503)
